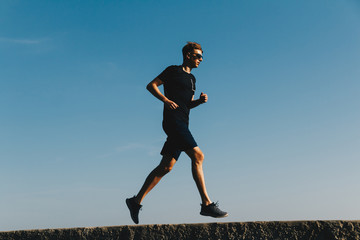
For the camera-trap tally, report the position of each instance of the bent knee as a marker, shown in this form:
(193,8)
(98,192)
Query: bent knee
(165,168)
(196,155)
(166,164)
(198,158)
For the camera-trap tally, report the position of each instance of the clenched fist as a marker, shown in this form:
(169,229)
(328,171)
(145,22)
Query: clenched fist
(203,97)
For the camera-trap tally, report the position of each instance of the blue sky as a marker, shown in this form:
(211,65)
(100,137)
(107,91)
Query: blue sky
(79,132)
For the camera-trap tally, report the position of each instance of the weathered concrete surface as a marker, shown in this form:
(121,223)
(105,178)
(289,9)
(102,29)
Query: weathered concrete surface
(299,230)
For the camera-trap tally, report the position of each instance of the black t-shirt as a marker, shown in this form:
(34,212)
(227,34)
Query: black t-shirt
(179,87)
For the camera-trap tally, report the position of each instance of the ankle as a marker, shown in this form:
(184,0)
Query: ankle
(136,200)
(206,203)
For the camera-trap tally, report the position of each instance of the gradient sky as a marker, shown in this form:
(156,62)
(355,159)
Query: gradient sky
(79,132)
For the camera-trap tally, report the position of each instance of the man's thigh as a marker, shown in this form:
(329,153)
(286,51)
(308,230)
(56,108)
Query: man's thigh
(179,136)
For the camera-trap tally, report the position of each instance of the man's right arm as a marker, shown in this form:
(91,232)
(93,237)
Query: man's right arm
(153,88)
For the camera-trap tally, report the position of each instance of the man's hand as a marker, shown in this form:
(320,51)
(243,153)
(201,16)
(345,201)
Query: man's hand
(170,105)
(203,97)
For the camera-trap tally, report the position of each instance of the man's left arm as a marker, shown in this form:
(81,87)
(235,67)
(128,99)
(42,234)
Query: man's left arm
(202,99)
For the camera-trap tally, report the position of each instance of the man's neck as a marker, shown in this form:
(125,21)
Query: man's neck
(186,68)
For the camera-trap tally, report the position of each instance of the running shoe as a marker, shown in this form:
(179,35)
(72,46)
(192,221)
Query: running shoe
(212,210)
(134,209)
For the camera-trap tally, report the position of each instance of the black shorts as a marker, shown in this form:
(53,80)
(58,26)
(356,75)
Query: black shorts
(179,138)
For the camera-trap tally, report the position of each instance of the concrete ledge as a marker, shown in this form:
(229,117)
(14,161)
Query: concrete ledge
(299,230)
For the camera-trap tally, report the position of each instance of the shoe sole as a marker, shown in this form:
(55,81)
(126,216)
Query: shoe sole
(209,215)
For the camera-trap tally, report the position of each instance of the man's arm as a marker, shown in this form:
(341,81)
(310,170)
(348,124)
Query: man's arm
(153,88)
(202,99)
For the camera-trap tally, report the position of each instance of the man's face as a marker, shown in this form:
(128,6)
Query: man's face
(195,58)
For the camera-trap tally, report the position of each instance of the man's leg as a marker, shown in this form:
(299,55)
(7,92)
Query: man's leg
(197,158)
(208,208)
(155,176)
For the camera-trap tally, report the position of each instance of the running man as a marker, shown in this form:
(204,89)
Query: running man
(179,89)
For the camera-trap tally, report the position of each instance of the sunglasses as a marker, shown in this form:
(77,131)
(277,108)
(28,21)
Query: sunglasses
(198,55)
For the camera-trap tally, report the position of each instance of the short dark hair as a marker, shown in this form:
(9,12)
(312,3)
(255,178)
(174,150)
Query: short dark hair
(190,47)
